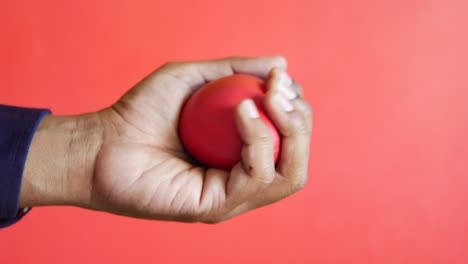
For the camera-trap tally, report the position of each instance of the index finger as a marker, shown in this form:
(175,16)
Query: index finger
(197,73)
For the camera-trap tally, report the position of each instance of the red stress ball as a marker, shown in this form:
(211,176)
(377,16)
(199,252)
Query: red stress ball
(207,125)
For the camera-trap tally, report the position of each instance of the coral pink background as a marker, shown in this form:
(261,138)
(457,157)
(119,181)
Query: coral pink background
(389,84)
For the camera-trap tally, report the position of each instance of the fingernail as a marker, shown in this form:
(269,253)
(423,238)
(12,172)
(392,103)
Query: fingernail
(284,85)
(285,79)
(249,109)
(283,102)
(288,91)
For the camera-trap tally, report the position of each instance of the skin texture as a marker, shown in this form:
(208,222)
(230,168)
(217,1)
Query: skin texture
(128,160)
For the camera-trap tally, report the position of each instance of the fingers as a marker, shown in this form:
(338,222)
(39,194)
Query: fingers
(258,150)
(254,182)
(293,118)
(278,76)
(256,171)
(259,66)
(195,74)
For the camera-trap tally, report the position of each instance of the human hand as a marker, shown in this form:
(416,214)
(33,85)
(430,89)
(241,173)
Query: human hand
(128,159)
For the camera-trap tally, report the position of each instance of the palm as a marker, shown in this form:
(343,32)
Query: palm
(145,165)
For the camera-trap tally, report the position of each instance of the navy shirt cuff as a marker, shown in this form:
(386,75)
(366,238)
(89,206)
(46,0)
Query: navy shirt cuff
(17,127)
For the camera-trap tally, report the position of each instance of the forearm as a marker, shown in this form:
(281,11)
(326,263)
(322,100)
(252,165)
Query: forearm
(60,163)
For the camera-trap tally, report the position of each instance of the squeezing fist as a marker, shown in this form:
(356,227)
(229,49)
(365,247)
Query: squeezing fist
(128,159)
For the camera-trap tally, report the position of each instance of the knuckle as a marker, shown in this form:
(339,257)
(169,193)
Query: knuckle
(262,135)
(299,125)
(275,76)
(307,109)
(304,108)
(298,185)
(227,61)
(264,138)
(270,174)
(263,171)
(267,177)
(295,179)
(175,66)
(264,176)
(281,60)
(170,65)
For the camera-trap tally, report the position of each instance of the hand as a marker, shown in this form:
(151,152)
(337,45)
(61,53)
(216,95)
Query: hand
(128,158)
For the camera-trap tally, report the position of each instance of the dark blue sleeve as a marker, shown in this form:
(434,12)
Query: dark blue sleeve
(17,127)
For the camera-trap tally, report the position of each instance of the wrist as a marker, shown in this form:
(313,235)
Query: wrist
(60,164)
